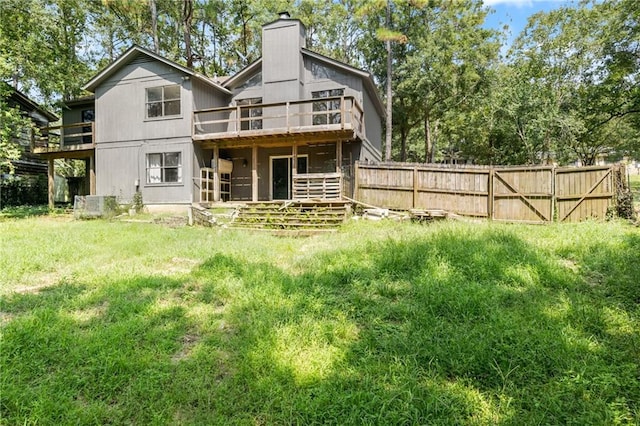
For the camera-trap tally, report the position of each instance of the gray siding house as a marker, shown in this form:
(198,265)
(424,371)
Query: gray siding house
(289,125)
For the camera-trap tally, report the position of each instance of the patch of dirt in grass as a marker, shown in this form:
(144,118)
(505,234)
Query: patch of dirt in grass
(64,217)
(189,341)
(5,318)
(86,315)
(172,221)
(570,265)
(594,278)
(42,281)
(179,265)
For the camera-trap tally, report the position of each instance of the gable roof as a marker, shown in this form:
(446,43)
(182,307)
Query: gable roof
(367,78)
(27,103)
(243,73)
(133,52)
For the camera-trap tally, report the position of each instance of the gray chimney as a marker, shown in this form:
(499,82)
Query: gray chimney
(282,66)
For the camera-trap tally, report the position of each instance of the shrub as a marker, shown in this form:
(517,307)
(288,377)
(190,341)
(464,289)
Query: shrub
(23,190)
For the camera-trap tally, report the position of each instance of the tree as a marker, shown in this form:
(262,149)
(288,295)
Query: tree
(446,63)
(384,31)
(587,58)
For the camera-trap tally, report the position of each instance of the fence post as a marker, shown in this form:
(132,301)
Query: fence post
(490,198)
(356,183)
(415,187)
(554,202)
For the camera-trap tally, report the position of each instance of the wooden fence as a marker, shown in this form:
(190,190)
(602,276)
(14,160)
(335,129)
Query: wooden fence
(534,194)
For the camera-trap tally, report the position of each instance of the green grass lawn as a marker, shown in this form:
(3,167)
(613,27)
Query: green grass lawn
(382,323)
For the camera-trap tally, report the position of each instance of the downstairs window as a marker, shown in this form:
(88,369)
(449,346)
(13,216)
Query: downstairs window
(165,167)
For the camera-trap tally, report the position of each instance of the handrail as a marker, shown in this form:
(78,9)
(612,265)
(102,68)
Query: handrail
(340,112)
(58,137)
(276,104)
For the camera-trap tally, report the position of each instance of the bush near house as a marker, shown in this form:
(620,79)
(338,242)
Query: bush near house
(23,191)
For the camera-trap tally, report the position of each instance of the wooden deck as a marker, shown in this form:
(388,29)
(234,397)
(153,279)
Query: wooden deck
(313,120)
(69,141)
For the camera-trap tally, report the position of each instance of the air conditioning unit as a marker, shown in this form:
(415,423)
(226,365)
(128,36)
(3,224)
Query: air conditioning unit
(88,206)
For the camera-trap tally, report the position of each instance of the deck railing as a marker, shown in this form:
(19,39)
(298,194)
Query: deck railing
(310,115)
(63,138)
(324,186)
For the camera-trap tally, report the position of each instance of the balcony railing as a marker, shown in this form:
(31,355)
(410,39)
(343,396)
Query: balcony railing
(70,137)
(312,115)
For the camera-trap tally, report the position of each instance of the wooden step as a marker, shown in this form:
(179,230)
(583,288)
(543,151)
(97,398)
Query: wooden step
(292,215)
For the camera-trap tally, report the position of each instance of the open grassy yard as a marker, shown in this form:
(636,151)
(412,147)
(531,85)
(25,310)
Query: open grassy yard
(382,323)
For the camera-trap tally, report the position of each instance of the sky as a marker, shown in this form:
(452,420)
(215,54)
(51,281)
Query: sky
(515,13)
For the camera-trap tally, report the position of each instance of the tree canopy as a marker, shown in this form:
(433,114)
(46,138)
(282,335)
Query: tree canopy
(567,89)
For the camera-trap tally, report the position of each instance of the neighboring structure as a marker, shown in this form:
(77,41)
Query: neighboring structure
(284,127)
(29,164)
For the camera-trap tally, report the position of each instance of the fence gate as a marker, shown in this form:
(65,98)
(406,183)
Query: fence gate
(523,194)
(583,193)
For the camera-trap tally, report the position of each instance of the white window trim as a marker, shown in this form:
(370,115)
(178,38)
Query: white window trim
(162,117)
(327,113)
(180,168)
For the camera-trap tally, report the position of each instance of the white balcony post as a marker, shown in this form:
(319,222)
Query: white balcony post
(254,173)
(238,122)
(216,174)
(287,116)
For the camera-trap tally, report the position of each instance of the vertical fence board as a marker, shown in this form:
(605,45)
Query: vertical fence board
(516,194)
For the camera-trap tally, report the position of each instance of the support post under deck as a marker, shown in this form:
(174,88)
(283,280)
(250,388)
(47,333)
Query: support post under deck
(92,175)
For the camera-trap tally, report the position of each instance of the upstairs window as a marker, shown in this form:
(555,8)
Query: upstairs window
(327,112)
(165,167)
(163,101)
(251,118)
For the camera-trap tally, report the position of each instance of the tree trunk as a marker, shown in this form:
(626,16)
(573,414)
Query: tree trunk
(428,147)
(187,15)
(154,25)
(403,143)
(389,122)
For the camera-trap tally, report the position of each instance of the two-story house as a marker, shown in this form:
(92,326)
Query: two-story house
(284,127)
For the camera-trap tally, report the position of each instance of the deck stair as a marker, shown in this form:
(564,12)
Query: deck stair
(292,215)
